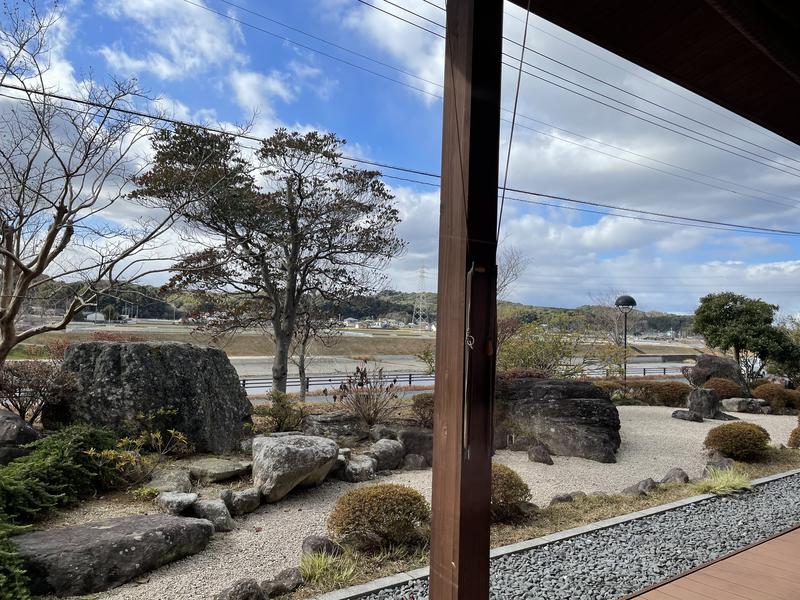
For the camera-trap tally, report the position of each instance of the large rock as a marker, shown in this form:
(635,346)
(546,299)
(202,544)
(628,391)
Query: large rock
(339,425)
(741,405)
(14,432)
(388,453)
(245,589)
(571,418)
(358,468)
(97,556)
(281,464)
(171,480)
(213,469)
(706,403)
(284,582)
(175,503)
(215,511)
(417,441)
(708,366)
(179,386)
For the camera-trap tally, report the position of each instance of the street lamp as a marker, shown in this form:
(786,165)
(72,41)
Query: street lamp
(625,304)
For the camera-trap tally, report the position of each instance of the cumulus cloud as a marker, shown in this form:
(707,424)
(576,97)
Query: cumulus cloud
(179,40)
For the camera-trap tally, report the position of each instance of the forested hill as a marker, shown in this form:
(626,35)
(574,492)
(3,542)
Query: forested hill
(392,304)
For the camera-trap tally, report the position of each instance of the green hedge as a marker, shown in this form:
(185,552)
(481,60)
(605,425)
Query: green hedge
(58,472)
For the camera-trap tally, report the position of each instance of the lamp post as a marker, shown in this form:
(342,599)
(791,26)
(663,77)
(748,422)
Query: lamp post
(625,304)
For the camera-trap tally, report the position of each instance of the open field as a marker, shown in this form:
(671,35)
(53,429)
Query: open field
(363,345)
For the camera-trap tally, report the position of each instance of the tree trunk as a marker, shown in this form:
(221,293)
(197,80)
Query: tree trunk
(301,370)
(280,363)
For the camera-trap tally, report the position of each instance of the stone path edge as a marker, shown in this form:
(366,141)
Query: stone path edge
(358,591)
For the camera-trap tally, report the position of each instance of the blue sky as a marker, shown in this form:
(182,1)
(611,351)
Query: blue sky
(210,68)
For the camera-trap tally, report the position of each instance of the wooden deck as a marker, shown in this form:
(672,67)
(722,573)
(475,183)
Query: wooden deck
(768,570)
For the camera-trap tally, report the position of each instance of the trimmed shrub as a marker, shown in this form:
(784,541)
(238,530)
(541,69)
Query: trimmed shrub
(758,382)
(58,472)
(741,440)
(725,388)
(777,396)
(508,490)
(382,514)
(422,407)
(648,393)
(794,438)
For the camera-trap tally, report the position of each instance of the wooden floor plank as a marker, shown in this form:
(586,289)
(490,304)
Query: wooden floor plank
(764,571)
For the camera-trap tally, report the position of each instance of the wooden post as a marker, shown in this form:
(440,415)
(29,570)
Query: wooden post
(466,314)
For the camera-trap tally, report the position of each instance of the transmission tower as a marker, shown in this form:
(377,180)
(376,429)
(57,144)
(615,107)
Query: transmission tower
(420,318)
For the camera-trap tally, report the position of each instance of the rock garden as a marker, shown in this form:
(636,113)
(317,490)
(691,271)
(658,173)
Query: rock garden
(156,479)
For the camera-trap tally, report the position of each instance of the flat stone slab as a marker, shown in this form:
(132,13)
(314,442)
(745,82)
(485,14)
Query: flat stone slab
(72,561)
(217,469)
(171,480)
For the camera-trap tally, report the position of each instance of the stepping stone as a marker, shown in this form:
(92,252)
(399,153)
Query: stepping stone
(175,503)
(217,469)
(90,558)
(171,480)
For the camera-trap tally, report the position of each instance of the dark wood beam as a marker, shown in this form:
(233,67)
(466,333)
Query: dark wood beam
(466,315)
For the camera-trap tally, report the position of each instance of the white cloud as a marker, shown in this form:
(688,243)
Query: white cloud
(181,40)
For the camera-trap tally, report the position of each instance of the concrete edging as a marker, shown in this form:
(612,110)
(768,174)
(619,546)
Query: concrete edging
(358,591)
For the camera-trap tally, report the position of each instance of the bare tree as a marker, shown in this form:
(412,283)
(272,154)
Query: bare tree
(605,319)
(64,167)
(290,224)
(511,266)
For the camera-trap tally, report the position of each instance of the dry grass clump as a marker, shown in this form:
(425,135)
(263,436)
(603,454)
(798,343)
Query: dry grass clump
(741,440)
(385,514)
(722,482)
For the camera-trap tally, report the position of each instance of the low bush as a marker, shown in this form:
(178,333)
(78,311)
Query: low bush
(508,490)
(382,514)
(758,382)
(13,580)
(722,482)
(283,412)
(422,408)
(778,397)
(740,441)
(27,385)
(725,388)
(58,472)
(648,393)
(369,394)
(794,438)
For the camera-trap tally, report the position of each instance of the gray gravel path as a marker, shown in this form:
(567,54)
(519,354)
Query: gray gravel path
(623,559)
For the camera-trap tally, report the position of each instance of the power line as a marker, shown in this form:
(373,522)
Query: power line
(653,115)
(741,122)
(141,114)
(519,114)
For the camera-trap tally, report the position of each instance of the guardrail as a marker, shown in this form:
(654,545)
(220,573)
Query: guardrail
(334,380)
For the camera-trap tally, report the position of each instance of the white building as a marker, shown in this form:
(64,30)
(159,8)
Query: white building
(95,317)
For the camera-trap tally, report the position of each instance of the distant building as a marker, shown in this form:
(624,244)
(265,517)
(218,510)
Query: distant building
(349,322)
(95,317)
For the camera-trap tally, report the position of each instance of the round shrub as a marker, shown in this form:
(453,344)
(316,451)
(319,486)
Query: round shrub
(740,441)
(794,438)
(725,388)
(508,490)
(668,393)
(422,407)
(382,514)
(758,382)
(609,385)
(777,396)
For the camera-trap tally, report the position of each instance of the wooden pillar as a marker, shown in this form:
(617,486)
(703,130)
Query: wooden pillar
(466,313)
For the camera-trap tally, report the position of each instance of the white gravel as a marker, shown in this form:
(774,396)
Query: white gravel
(268,540)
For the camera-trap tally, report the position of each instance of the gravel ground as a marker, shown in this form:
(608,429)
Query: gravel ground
(269,539)
(623,559)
